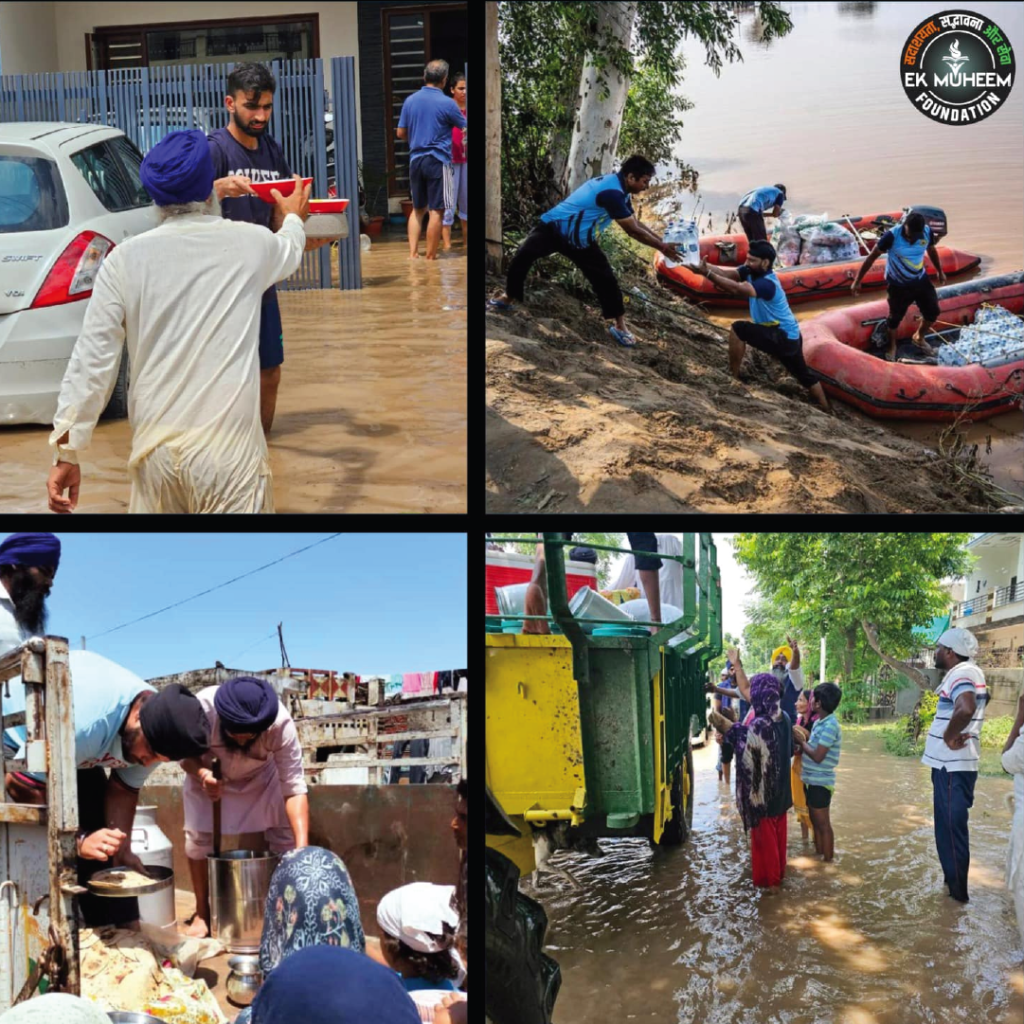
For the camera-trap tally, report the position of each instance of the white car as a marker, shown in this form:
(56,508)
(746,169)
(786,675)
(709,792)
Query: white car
(68,194)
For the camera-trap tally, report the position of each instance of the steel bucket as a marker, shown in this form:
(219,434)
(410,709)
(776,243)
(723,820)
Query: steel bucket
(589,604)
(239,882)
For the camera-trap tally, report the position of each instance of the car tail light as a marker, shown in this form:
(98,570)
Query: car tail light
(71,278)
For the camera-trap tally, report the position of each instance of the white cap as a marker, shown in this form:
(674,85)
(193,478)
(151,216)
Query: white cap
(417,913)
(961,641)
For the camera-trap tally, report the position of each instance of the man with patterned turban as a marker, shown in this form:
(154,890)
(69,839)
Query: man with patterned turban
(186,298)
(262,786)
(28,565)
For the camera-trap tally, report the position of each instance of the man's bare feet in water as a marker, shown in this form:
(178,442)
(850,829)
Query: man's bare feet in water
(197,928)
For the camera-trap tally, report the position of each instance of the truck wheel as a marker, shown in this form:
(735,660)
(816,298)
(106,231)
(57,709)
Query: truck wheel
(522,981)
(677,828)
(117,407)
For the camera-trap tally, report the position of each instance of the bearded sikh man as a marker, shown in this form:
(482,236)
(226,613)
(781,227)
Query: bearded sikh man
(262,789)
(186,297)
(28,565)
(124,726)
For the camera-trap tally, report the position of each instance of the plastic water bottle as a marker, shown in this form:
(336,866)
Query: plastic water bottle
(364,243)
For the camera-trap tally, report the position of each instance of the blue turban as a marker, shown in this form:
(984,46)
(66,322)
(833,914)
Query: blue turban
(179,169)
(246,704)
(30,549)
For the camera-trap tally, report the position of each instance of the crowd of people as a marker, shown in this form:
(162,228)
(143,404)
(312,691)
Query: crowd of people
(125,727)
(206,347)
(572,228)
(786,740)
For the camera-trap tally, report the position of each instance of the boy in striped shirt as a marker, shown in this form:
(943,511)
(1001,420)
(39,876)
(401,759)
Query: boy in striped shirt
(952,749)
(821,755)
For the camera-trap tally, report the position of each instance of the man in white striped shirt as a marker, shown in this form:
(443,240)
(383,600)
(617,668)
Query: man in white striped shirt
(952,749)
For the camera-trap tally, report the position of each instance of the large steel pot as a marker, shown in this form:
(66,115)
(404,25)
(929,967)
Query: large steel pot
(239,882)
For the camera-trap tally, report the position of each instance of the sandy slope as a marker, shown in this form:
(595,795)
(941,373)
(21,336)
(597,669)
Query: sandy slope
(575,422)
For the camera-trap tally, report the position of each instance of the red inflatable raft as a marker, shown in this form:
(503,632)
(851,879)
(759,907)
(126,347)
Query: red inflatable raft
(836,345)
(804,282)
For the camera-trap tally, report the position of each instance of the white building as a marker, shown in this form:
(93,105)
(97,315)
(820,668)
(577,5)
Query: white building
(993,602)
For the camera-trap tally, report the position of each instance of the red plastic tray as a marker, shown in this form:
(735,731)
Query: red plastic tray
(328,205)
(285,186)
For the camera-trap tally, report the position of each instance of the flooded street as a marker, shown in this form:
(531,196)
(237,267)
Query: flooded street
(371,415)
(682,935)
(844,139)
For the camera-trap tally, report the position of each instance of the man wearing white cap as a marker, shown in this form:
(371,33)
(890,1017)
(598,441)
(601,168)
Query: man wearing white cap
(952,749)
(417,935)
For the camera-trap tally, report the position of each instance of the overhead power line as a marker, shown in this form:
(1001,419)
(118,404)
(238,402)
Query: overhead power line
(219,586)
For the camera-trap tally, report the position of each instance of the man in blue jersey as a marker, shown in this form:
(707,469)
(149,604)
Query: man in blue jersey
(772,327)
(571,228)
(243,152)
(906,278)
(427,119)
(755,205)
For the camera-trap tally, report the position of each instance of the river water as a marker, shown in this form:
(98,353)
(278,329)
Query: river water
(823,111)
(682,935)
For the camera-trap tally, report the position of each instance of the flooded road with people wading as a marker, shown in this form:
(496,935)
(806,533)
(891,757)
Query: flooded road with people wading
(682,935)
(842,136)
(371,415)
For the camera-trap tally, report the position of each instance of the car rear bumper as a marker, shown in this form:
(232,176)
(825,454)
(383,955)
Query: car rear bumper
(35,346)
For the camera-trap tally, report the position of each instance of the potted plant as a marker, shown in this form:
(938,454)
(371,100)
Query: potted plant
(376,184)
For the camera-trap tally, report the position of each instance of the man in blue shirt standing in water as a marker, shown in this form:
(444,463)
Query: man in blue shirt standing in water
(244,152)
(427,120)
(772,327)
(571,229)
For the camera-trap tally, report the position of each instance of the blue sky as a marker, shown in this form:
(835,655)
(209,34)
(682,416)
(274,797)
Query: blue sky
(364,603)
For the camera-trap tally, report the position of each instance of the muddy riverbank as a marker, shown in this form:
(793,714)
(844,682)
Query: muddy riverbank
(683,936)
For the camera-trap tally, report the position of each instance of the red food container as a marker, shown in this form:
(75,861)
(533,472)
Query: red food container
(505,567)
(286,186)
(328,205)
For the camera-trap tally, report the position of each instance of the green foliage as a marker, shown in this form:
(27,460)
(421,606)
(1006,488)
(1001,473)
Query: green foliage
(543,45)
(929,705)
(652,123)
(898,741)
(826,583)
(995,730)
(716,665)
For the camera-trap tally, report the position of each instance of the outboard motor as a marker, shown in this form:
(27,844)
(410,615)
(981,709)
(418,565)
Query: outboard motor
(933,217)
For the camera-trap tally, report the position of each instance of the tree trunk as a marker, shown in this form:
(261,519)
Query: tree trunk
(492,144)
(909,671)
(595,138)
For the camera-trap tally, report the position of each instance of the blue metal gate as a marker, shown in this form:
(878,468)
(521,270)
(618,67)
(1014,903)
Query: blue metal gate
(148,103)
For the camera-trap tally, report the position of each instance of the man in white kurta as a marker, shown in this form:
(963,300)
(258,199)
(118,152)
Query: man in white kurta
(263,787)
(28,565)
(186,298)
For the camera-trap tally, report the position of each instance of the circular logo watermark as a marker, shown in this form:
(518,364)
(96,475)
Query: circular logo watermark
(957,67)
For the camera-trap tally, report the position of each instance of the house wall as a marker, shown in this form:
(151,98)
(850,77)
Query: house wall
(51,36)
(386,835)
(28,40)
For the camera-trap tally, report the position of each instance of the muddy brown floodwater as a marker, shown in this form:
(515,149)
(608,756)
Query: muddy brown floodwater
(371,415)
(682,935)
